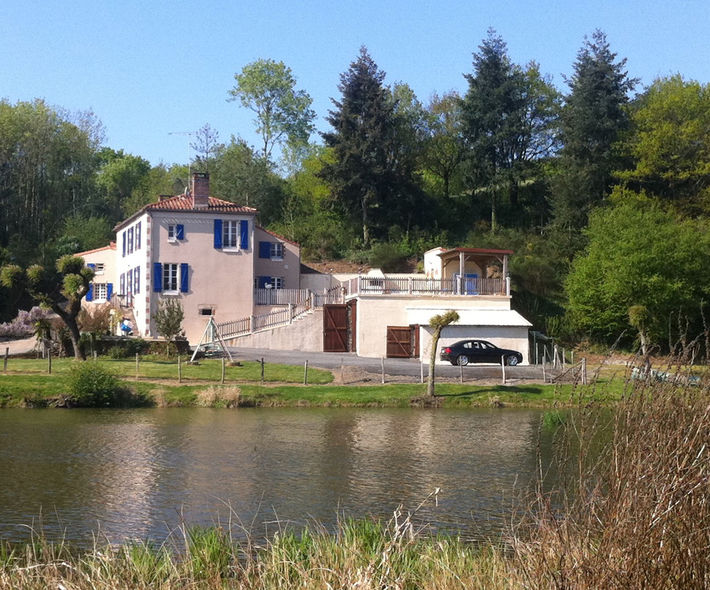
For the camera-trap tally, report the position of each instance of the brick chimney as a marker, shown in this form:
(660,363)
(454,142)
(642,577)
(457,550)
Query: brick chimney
(200,190)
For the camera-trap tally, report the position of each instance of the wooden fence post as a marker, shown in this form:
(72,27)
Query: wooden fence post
(222,378)
(49,361)
(461,374)
(502,367)
(7,354)
(262,370)
(382,362)
(179,370)
(421,371)
(137,364)
(584,370)
(305,372)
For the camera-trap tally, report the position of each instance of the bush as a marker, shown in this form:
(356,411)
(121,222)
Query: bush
(92,385)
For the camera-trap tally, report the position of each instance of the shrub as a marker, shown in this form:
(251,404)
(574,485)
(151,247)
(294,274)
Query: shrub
(92,385)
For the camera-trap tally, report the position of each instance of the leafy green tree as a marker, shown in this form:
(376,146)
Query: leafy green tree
(372,177)
(120,176)
(47,168)
(670,144)
(86,233)
(595,116)
(444,145)
(509,116)
(241,176)
(639,254)
(60,289)
(283,114)
(168,320)
(438,322)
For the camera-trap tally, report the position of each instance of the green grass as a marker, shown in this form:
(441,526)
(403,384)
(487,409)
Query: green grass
(27,384)
(206,370)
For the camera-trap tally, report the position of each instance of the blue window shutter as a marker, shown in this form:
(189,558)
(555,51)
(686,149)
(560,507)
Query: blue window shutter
(218,234)
(90,292)
(244,234)
(91,265)
(137,279)
(264,249)
(122,283)
(184,280)
(263,281)
(157,277)
(109,291)
(123,236)
(138,235)
(180,231)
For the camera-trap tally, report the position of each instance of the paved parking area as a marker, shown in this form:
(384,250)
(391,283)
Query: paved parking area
(393,366)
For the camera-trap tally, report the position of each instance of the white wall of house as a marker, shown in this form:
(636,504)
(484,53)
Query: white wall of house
(104,264)
(133,269)
(376,312)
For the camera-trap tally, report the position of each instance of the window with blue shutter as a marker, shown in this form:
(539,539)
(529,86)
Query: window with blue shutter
(263,281)
(122,283)
(123,240)
(157,277)
(109,291)
(137,279)
(138,235)
(180,231)
(244,234)
(184,277)
(264,249)
(218,234)
(90,292)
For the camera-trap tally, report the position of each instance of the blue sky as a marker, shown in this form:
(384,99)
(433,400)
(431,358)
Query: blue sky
(148,69)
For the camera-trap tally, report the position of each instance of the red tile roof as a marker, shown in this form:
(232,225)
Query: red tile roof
(111,246)
(279,236)
(185,203)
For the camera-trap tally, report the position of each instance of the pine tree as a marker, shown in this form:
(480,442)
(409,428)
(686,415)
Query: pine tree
(371,177)
(593,119)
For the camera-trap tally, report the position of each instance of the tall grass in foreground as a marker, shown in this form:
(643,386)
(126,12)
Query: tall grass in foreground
(633,513)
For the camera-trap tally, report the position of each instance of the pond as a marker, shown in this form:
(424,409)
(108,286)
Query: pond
(141,473)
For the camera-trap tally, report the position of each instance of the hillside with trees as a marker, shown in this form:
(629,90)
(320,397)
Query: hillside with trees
(603,194)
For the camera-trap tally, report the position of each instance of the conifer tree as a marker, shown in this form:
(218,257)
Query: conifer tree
(593,120)
(371,176)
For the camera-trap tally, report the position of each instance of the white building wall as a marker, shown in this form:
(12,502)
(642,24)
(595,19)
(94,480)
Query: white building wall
(511,337)
(133,262)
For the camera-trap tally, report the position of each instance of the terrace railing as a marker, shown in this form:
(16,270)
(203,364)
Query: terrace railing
(424,286)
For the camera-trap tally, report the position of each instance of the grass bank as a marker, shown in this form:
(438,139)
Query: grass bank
(157,382)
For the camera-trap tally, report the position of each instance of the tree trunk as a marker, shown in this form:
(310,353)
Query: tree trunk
(74,336)
(432,361)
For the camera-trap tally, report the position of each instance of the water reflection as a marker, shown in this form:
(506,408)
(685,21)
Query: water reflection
(139,473)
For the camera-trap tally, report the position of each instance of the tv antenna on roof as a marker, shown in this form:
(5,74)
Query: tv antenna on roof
(189,146)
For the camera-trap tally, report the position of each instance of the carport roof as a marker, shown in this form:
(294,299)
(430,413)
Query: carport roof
(471,317)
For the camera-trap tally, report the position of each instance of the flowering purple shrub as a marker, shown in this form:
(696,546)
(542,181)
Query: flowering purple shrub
(24,324)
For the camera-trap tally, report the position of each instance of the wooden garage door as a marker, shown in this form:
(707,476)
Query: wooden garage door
(399,342)
(335,328)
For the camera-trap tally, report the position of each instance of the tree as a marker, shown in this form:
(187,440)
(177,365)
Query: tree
(283,114)
(120,176)
(444,146)
(60,289)
(639,254)
(594,118)
(670,144)
(372,177)
(206,146)
(47,168)
(438,322)
(509,114)
(168,319)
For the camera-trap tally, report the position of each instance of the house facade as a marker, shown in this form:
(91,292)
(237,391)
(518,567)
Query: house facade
(205,252)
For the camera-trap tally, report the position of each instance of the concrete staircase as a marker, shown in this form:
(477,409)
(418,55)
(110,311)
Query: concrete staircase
(305,332)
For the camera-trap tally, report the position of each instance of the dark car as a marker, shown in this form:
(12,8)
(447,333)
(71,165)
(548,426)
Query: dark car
(464,352)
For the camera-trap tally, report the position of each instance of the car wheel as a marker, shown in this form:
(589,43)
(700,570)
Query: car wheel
(462,360)
(511,360)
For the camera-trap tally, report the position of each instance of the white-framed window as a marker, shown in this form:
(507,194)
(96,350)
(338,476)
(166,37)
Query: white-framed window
(277,282)
(100,292)
(172,233)
(170,276)
(138,235)
(277,251)
(230,234)
(98,268)
(129,282)
(137,279)
(130,240)
(206,311)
